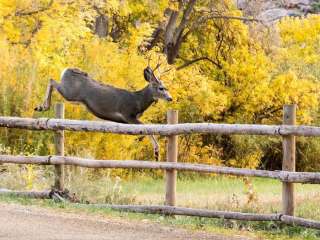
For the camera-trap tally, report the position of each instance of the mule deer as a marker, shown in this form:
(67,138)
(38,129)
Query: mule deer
(108,102)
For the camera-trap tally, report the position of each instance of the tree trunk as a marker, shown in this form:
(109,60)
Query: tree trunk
(101,26)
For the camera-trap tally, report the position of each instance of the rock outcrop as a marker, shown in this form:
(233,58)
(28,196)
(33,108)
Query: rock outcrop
(271,10)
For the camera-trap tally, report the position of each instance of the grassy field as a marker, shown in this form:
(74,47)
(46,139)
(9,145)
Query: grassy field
(218,193)
(225,193)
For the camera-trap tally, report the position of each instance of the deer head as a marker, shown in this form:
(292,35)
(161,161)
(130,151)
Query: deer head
(159,91)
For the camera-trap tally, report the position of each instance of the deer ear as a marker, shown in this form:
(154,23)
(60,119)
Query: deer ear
(147,73)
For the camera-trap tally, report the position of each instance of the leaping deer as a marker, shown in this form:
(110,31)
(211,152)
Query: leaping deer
(108,102)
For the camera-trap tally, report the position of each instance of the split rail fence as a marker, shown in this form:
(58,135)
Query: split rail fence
(288,131)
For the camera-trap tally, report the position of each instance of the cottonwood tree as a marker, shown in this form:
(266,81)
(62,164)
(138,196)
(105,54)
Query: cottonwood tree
(185,18)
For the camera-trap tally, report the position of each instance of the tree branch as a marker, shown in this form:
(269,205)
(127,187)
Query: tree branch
(205,18)
(186,64)
(34,31)
(157,34)
(97,10)
(170,27)
(246,19)
(185,19)
(28,13)
(266,113)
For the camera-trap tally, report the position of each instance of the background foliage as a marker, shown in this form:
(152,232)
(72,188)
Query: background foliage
(249,82)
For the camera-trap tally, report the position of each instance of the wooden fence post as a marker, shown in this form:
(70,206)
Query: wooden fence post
(289,160)
(59,149)
(172,156)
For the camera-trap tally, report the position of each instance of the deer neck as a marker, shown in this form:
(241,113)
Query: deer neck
(145,98)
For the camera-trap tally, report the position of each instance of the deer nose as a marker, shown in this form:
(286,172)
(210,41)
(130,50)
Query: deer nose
(169,99)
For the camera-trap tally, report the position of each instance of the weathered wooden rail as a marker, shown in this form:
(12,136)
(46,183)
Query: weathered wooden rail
(285,176)
(288,176)
(157,129)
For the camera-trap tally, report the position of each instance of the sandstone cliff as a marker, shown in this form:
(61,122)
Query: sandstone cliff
(271,10)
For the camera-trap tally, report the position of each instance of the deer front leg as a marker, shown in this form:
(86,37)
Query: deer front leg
(47,100)
(154,142)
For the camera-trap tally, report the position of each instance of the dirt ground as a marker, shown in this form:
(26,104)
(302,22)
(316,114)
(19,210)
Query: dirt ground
(29,222)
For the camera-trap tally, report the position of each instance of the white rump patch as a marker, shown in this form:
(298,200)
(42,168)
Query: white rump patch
(117,114)
(63,72)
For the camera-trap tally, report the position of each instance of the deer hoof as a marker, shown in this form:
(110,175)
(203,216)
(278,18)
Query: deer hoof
(38,109)
(41,108)
(156,155)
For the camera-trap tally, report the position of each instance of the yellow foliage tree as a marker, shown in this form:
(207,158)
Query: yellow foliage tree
(245,84)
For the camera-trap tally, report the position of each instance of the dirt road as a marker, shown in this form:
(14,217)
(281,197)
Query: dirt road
(34,223)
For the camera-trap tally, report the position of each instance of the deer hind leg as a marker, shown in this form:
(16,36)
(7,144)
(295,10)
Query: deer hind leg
(152,138)
(47,100)
(155,147)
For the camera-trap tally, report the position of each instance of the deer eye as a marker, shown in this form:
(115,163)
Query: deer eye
(161,88)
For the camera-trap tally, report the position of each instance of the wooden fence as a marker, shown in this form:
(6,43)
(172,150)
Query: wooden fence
(287,176)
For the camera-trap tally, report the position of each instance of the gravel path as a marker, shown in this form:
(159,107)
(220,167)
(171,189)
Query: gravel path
(33,223)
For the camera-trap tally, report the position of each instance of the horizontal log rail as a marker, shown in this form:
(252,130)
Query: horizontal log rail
(26,194)
(285,176)
(169,210)
(157,129)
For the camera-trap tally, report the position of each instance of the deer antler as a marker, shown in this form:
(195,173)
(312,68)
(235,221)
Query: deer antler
(167,70)
(162,72)
(149,59)
(157,67)
(158,64)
